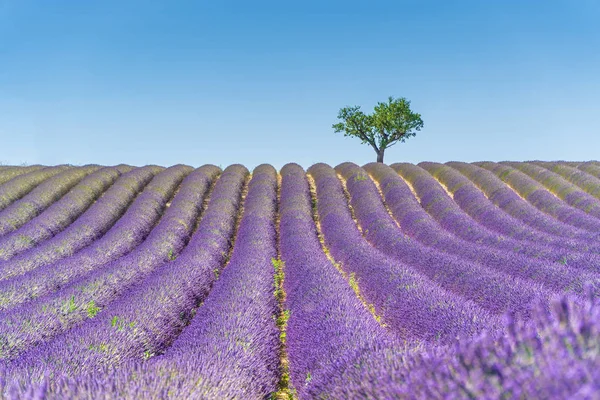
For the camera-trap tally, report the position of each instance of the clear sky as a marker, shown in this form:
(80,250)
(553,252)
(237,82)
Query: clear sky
(249,82)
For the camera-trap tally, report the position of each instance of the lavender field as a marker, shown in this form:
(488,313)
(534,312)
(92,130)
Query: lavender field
(457,280)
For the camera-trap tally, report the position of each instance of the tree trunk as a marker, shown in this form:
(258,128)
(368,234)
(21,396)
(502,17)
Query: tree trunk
(380,155)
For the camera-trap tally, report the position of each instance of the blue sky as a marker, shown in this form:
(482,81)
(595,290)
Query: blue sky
(224,82)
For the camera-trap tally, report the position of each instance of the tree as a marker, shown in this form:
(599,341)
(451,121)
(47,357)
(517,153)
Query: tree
(390,123)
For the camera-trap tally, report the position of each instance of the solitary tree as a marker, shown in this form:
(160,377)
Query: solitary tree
(390,123)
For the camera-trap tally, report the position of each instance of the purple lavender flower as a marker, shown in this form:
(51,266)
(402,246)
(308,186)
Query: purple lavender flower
(451,217)
(90,225)
(53,314)
(416,223)
(22,184)
(591,168)
(123,331)
(495,291)
(57,217)
(415,307)
(541,198)
(473,201)
(10,172)
(505,198)
(127,233)
(44,195)
(553,357)
(566,191)
(582,179)
(327,320)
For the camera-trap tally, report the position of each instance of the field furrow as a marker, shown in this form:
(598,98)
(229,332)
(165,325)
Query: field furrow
(416,223)
(127,233)
(19,186)
(123,331)
(10,172)
(442,207)
(560,187)
(494,291)
(411,304)
(90,225)
(40,198)
(589,183)
(499,193)
(474,203)
(59,216)
(456,280)
(543,199)
(591,168)
(327,322)
(51,315)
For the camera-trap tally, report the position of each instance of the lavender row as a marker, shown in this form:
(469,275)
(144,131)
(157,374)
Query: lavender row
(560,187)
(40,198)
(480,208)
(412,305)
(472,200)
(510,202)
(230,348)
(589,183)
(497,292)
(416,223)
(21,185)
(452,218)
(541,198)
(127,233)
(62,213)
(591,168)
(124,330)
(10,172)
(554,357)
(91,225)
(327,323)
(83,298)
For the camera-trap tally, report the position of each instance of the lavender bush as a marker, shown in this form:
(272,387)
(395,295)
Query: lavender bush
(41,198)
(59,215)
(335,283)
(415,307)
(555,357)
(91,225)
(566,191)
(326,319)
(582,179)
(506,199)
(123,331)
(9,172)
(495,291)
(19,186)
(541,198)
(440,205)
(129,231)
(418,224)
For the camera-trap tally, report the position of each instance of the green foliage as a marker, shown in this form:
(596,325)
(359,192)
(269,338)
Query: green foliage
(92,309)
(278,265)
(308,377)
(391,122)
(69,306)
(360,177)
(354,283)
(148,354)
(563,260)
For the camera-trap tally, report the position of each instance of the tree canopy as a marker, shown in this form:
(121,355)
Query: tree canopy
(391,122)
